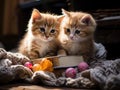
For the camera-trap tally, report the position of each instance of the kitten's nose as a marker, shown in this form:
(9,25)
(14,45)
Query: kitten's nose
(71,36)
(47,36)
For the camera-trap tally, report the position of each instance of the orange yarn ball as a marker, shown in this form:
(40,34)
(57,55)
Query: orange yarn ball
(44,65)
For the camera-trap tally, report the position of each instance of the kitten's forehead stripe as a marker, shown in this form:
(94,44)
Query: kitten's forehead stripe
(74,23)
(74,20)
(48,21)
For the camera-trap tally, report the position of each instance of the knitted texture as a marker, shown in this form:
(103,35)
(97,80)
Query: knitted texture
(11,66)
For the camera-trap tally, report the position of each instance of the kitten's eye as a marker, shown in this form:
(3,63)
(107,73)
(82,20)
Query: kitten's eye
(42,29)
(68,30)
(77,31)
(52,31)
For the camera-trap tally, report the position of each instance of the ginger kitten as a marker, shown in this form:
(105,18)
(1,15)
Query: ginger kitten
(41,38)
(76,36)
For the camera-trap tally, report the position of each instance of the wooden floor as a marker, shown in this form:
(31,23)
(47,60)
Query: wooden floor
(22,86)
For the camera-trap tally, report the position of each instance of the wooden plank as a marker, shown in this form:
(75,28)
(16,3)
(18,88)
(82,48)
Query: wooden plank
(23,86)
(10,24)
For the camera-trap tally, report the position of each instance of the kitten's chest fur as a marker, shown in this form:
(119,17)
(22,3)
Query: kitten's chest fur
(42,47)
(73,48)
(45,48)
(79,48)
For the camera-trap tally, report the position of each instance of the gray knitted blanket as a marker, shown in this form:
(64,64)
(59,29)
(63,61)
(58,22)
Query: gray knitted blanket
(103,74)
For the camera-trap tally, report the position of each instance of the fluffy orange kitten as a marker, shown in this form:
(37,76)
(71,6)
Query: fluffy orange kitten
(41,38)
(76,36)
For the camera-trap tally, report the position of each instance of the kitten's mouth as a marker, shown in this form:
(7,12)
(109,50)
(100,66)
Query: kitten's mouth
(47,39)
(71,38)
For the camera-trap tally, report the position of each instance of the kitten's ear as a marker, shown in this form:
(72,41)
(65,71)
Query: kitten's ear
(35,14)
(60,18)
(66,13)
(86,19)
